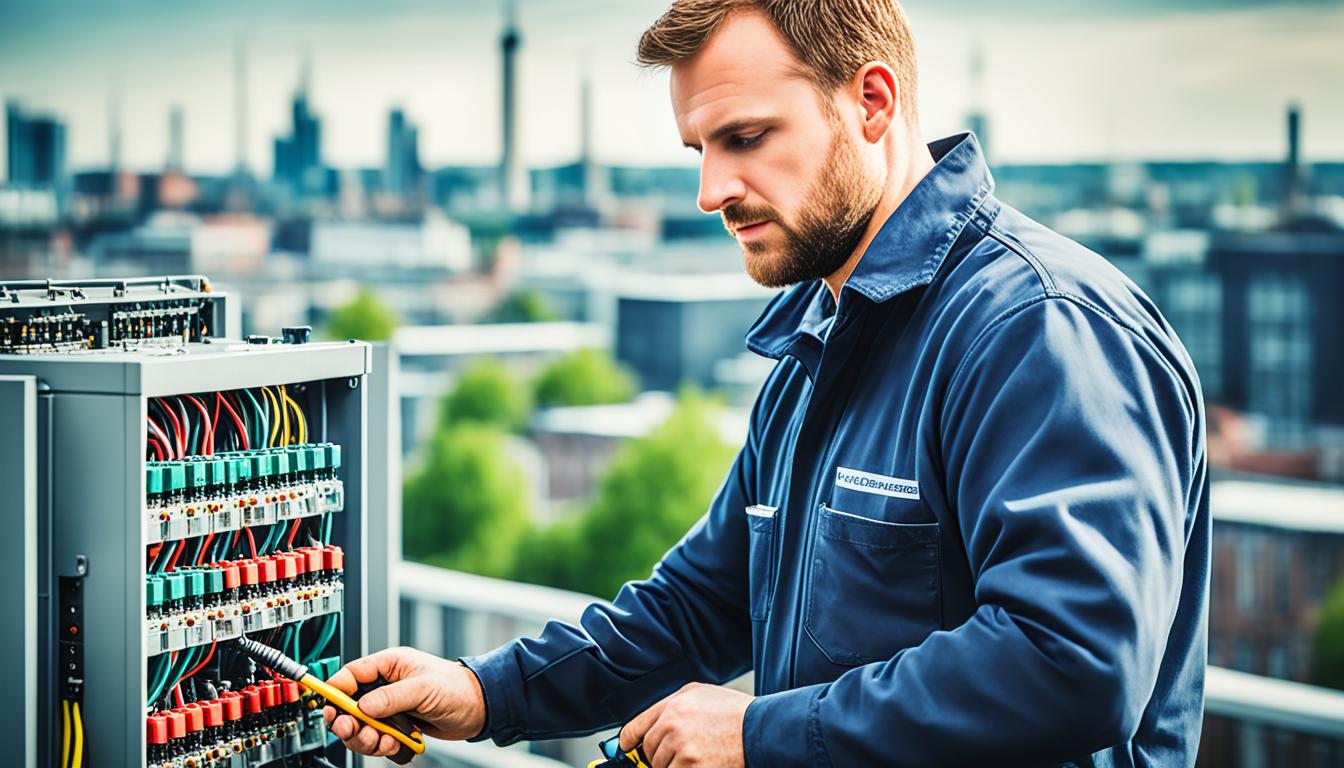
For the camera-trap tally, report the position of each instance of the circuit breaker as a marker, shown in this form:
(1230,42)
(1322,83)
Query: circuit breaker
(192,489)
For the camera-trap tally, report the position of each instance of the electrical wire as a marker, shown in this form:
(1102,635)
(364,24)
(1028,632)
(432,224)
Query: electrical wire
(161,436)
(237,420)
(263,423)
(77,757)
(284,414)
(187,427)
(65,732)
(275,406)
(299,420)
(208,448)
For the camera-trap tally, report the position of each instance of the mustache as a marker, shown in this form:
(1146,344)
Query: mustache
(740,214)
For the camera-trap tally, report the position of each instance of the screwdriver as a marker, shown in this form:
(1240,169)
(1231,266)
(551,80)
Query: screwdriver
(401,727)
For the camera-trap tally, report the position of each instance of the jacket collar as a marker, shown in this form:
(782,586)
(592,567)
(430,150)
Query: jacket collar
(905,254)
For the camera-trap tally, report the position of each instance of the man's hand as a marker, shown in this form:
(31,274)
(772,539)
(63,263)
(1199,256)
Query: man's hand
(699,725)
(443,694)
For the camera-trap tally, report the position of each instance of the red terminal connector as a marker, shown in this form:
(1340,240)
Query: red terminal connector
(156,728)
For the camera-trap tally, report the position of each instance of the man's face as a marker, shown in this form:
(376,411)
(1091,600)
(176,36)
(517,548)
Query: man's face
(779,162)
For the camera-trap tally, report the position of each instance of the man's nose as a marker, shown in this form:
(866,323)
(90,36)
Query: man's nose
(720,184)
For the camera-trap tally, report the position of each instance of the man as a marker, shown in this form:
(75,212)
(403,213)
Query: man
(970,524)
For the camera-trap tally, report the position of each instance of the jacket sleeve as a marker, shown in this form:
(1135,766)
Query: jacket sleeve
(1068,442)
(689,621)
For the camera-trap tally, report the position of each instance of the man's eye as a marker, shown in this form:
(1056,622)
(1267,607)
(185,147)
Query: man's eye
(747,142)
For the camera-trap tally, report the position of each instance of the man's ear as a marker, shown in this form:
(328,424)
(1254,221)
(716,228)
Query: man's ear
(879,99)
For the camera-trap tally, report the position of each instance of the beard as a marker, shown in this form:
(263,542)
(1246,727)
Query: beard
(831,222)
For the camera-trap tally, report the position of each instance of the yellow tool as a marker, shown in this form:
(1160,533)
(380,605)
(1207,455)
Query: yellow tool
(613,757)
(403,728)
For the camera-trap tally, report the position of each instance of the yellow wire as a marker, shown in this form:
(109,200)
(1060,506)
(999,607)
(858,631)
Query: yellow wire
(284,413)
(275,419)
(65,733)
(77,761)
(298,418)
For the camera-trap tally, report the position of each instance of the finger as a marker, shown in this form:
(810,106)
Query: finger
(366,670)
(401,696)
(633,732)
(328,714)
(656,746)
(365,741)
(388,746)
(344,726)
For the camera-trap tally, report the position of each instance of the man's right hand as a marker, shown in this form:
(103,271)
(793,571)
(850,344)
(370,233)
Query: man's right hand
(444,694)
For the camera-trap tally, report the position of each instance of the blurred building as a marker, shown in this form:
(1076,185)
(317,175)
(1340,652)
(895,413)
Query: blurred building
(403,172)
(298,157)
(673,329)
(35,151)
(1278,548)
(435,243)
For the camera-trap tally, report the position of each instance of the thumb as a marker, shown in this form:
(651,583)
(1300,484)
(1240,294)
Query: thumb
(366,670)
(393,698)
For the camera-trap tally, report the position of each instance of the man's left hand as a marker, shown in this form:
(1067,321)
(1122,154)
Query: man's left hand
(699,725)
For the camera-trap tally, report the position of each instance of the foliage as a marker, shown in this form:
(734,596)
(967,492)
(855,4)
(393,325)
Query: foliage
(465,508)
(584,377)
(657,487)
(524,306)
(364,317)
(1327,658)
(487,393)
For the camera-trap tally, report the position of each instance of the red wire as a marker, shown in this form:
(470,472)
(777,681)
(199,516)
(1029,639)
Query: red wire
(214,421)
(158,449)
(251,542)
(198,667)
(238,422)
(208,444)
(172,561)
(200,558)
(289,542)
(162,435)
(177,695)
(177,430)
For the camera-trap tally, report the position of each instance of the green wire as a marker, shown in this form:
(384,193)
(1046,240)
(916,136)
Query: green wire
(262,422)
(160,678)
(326,528)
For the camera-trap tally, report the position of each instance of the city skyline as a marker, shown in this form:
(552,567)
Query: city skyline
(1080,95)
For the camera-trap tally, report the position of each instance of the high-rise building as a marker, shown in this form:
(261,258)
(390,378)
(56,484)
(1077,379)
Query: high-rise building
(175,145)
(977,121)
(36,148)
(403,172)
(513,175)
(298,157)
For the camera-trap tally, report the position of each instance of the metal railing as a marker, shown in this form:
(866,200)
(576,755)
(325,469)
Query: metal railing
(456,614)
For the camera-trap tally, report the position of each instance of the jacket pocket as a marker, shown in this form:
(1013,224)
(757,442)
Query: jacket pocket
(873,588)
(761,559)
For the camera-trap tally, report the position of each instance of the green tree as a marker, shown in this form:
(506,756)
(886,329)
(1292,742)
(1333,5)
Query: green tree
(465,507)
(584,377)
(524,306)
(654,491)
(364,317)
(1327,657)
(487,393)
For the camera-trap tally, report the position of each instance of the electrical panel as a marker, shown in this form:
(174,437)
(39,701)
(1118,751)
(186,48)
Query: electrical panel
(192,490)
(45,316)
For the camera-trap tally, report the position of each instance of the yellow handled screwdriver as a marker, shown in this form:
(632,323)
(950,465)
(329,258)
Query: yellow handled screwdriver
(401,727)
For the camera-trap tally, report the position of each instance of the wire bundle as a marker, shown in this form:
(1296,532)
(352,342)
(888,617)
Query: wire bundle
(186,425)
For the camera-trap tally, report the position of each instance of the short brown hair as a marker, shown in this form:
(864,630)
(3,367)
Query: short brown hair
(833,38)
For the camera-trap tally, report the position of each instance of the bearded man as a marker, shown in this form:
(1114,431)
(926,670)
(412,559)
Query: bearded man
(970,523)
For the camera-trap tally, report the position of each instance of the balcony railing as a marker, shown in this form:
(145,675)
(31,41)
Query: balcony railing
(1271,722)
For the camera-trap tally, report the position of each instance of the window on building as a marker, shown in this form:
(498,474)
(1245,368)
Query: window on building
(1279,309)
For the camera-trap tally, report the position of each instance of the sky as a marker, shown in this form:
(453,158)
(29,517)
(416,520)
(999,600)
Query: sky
(1064,80)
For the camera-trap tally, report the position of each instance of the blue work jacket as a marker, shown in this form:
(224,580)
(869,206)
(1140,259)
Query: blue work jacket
(969,525)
